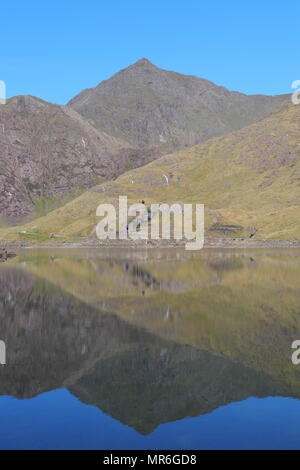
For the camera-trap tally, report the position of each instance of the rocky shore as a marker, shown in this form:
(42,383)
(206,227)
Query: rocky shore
(130,244)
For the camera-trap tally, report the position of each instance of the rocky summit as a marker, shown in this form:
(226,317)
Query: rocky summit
(146,106)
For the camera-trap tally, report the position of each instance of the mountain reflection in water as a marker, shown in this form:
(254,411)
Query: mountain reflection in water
(151,337)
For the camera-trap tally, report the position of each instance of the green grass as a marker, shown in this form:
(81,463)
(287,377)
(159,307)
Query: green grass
(250,178)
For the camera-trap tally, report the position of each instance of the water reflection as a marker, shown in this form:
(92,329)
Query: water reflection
(151,337)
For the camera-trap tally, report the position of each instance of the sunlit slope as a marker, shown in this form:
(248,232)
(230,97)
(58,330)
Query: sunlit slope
(250,178)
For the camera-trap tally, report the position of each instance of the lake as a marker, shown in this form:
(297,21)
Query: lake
(150,349)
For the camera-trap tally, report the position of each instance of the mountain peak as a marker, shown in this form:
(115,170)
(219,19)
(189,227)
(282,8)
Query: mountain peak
(149,106)
(28,102)
(143,62)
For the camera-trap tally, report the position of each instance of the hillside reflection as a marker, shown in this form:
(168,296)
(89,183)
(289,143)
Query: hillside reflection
(151,337)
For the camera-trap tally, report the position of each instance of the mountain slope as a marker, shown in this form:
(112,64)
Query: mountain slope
(250,178)
(48,152)
(146,105)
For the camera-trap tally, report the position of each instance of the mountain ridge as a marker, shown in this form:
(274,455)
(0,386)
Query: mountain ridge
(49,152)
(147,105)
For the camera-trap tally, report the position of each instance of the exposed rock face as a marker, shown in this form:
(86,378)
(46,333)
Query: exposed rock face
(146,105)
(48,152)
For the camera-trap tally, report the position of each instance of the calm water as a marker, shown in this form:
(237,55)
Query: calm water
(150,350)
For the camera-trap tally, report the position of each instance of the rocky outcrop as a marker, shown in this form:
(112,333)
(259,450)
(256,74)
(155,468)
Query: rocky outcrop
(49,153)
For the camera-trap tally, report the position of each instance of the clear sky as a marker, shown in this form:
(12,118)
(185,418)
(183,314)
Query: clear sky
(55,48)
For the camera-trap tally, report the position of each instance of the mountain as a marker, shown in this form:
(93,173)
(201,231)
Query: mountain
(146,106)
(49,153)
(249,182)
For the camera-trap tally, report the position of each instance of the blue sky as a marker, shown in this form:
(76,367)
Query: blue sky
(54,49)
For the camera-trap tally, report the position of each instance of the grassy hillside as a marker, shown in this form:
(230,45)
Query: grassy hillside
(250,178)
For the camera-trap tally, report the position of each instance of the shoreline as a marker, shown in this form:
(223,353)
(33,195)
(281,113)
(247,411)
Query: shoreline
(219,243)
